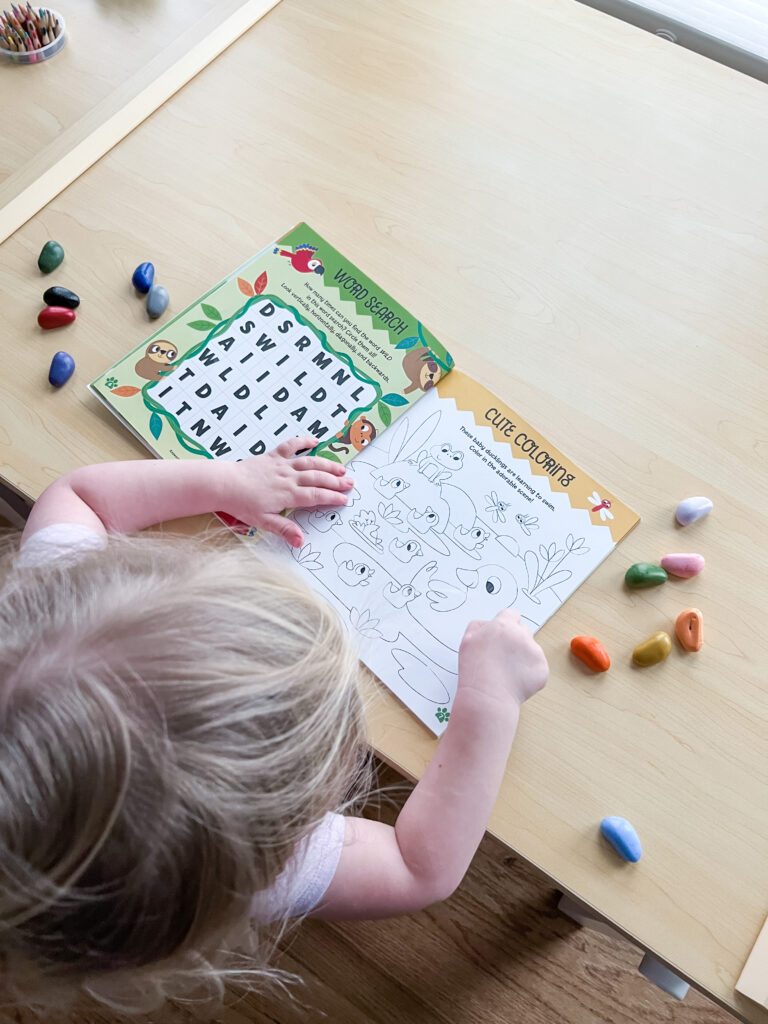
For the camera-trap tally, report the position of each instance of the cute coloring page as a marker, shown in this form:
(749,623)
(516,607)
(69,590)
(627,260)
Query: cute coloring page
(444,525)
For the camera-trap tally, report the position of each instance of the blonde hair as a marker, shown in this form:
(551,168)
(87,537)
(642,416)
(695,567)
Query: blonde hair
(175,716)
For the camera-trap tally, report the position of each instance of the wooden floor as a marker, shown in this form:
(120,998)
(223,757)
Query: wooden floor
(497,952)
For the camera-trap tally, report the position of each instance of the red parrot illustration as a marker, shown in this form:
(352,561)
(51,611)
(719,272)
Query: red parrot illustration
(303,259)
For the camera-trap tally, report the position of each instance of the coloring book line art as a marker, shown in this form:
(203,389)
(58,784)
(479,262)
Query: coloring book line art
(541,569)
(452,514)
(415,667)
(433,540)
(452,593)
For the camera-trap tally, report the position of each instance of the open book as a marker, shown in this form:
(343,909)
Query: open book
(297,341)
(460,508)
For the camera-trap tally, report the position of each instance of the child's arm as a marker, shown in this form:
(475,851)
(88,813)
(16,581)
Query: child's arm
(124,497)
(384,870)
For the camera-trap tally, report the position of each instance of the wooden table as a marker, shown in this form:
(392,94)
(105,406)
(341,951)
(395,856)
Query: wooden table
(119,63)
(578,211)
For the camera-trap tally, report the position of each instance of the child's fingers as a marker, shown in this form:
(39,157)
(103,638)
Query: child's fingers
(282,527)
(317,478)
(311,497)
(315,462)
(295,444)
(509,615)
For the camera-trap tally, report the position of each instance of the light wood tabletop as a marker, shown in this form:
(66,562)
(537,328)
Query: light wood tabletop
(119,62)
(578,211)
(107,43)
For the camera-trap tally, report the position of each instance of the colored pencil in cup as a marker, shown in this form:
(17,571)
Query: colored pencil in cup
(25,28)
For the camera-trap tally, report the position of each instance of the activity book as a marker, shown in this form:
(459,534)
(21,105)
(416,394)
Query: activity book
(460,508)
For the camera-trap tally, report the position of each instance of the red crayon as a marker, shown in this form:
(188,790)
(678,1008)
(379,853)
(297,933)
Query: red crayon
(55,316)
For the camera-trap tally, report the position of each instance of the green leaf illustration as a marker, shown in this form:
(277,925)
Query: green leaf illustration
(441,354)
(384,413)
(210,311)
(325,454)
(407,342)
(393,399)
(201,325)
(155,425)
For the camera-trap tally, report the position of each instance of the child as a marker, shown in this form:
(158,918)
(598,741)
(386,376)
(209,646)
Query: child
(181,725)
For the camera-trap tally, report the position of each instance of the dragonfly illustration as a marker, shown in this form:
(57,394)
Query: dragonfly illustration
(601,505)
(497,507)
(527,523)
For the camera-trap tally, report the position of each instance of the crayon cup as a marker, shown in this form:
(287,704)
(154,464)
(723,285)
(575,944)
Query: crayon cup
(36,54)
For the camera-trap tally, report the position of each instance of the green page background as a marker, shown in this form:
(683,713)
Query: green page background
(360,337)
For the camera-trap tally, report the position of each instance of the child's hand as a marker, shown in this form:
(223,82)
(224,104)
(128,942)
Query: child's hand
(500,658)
(382,871)
(267,484)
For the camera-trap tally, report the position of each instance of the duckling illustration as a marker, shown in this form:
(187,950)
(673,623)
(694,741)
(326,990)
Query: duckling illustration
(405,551)
(430,524)
(352,566)
(471,540)
(424,521)
(355,574)
(322,519)
(390,486)
(399,596)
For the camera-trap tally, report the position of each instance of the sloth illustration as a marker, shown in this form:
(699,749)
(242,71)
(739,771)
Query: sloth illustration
(421,369)
(155,363)
(358,434)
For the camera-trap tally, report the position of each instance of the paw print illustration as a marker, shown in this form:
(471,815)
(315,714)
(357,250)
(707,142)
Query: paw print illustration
(442,715)
(111,382)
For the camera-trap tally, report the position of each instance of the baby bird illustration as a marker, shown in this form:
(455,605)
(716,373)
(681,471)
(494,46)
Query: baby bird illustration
(405,551)
(471,540)
(430,524)
(399,596)
(303,259)
(322,519)
(424,521)
(352,567)
(355,574)
(389,488)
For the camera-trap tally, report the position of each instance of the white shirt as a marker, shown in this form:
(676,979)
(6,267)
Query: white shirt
(305,879)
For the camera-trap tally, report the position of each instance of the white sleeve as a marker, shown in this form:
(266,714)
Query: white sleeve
(60,542)
(304,880)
